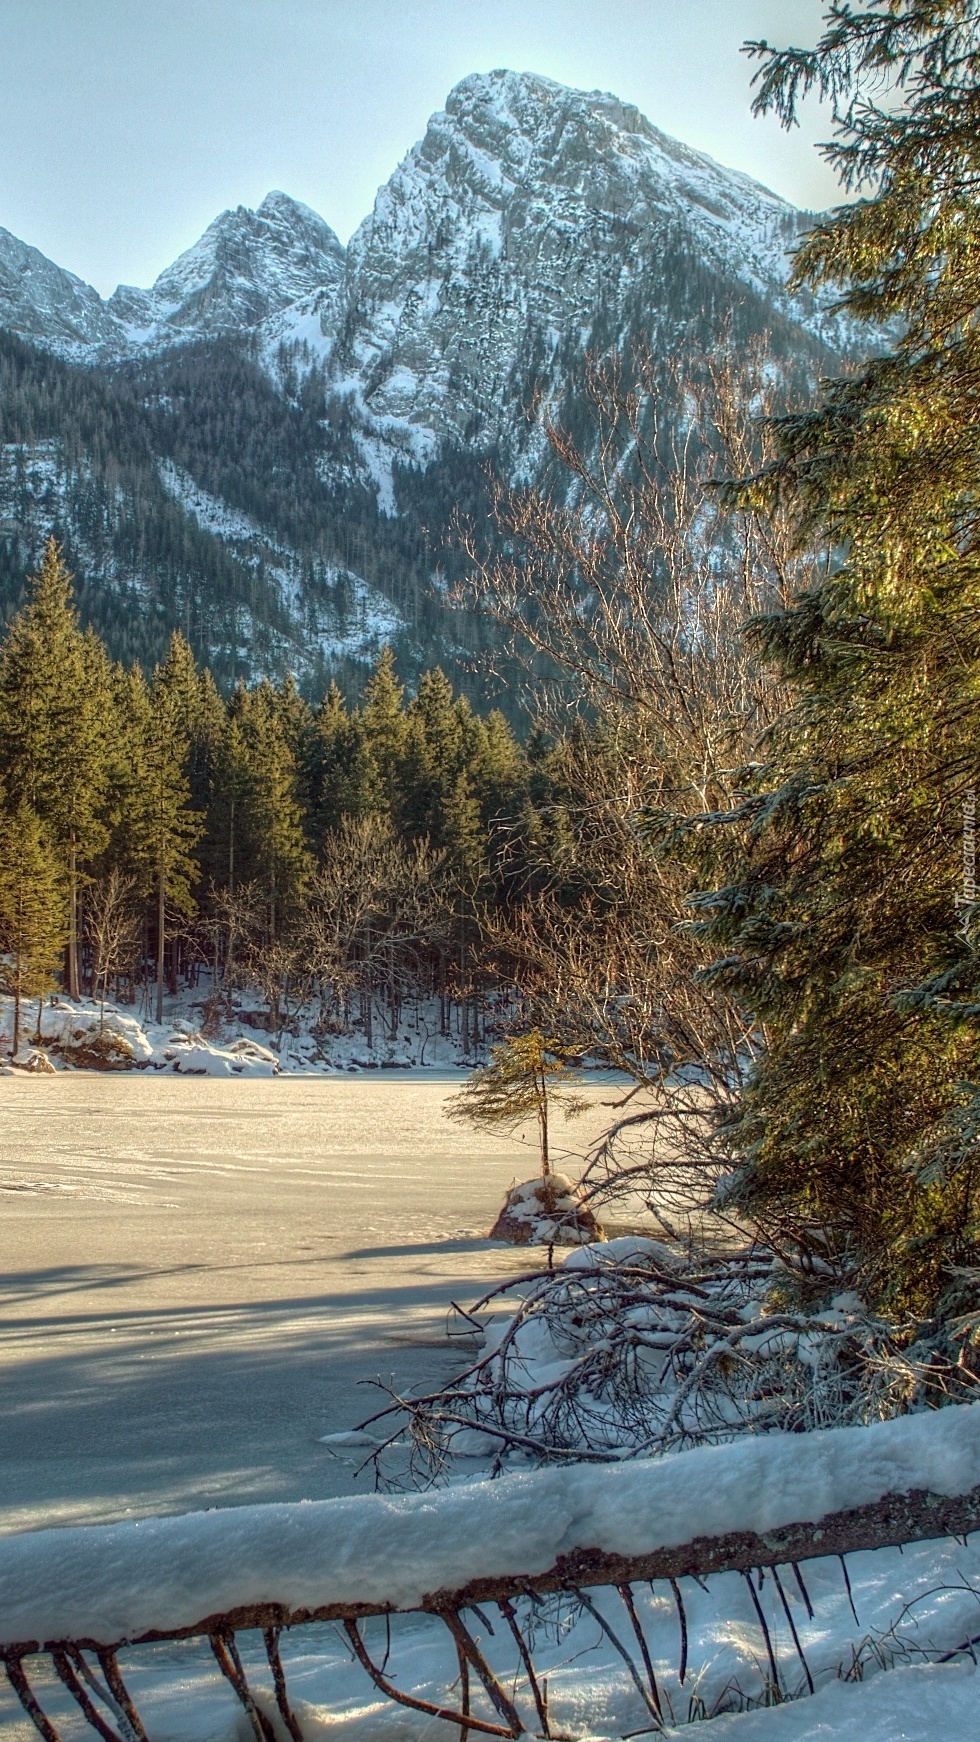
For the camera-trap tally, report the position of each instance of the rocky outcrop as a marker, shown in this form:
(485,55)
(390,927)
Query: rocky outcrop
(529,216)
(50,307)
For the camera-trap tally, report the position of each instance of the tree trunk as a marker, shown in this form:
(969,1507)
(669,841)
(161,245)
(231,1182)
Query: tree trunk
(161,937)
(543,1127)
(73,990)
(16,1046)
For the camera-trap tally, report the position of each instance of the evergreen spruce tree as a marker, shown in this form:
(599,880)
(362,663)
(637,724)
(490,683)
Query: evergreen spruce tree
(434,760)
(32,909)
(273,846)
(385,727)
(499,771)
(848,919)
(341,778)
(161,826)
(56,729)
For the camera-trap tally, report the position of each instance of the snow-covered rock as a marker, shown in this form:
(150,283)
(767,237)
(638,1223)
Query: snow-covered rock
(85,1035)
(33,1059)
(549,1211)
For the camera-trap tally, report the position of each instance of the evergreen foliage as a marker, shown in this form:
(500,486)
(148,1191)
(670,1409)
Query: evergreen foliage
(285,846)
(32,910)
(847,916)
(54,721)
(524,1079)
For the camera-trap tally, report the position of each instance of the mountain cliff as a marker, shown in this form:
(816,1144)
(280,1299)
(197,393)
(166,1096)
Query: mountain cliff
(526,219)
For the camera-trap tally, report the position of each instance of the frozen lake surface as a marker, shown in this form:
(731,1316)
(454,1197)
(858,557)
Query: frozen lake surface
(196,1273)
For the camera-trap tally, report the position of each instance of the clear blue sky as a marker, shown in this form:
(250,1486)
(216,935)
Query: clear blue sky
(127,125)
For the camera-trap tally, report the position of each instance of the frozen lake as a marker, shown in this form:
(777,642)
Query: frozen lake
(196,1273)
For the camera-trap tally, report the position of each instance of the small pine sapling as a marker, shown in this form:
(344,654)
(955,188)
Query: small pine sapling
(522,1080)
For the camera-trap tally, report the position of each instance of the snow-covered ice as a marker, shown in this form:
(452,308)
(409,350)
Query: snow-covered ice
(197,1272)
(195,1275)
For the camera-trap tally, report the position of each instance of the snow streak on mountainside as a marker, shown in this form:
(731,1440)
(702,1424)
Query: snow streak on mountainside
(340,615)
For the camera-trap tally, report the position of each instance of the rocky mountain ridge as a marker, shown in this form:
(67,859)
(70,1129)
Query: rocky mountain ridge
(342,402)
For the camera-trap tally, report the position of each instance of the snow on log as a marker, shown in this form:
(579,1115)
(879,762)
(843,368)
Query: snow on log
(755,1500)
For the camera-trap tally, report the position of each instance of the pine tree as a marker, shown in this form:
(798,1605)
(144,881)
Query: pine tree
(385,726)
(434,758)
(273,849)
(848,917)
(161,827)
(523,1080)
(341,778)
(32,909)
(56,729)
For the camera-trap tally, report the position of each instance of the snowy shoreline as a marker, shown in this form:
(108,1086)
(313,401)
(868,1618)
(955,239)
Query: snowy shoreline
(82,1036)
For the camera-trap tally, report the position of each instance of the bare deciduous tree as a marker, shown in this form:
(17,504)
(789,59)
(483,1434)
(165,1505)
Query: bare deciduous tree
(111,923)
(623,595)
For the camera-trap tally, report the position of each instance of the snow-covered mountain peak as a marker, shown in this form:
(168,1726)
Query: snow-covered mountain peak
(48,306)
(525,225)
(247,266)
(523,115)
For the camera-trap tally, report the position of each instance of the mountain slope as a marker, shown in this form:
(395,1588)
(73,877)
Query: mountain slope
(49,307)
(525,211)
(83,458)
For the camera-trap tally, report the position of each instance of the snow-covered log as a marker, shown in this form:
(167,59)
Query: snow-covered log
(761,1500)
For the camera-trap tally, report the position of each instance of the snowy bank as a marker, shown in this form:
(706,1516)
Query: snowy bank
(118,1581)
(83,1035)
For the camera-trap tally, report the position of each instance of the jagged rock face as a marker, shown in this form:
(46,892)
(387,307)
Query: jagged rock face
(48,306)
(526,210)
(523,224)
(246,267)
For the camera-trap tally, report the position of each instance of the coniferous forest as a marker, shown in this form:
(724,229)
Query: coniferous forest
(155,830)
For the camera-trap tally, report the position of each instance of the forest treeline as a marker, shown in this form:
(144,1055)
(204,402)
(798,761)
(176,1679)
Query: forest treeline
(152,828)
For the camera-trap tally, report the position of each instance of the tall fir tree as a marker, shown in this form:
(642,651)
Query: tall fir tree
(385,728)
(56,729)
(162,827)
(847,918)
(273,846)
(33,915)
(341,777)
